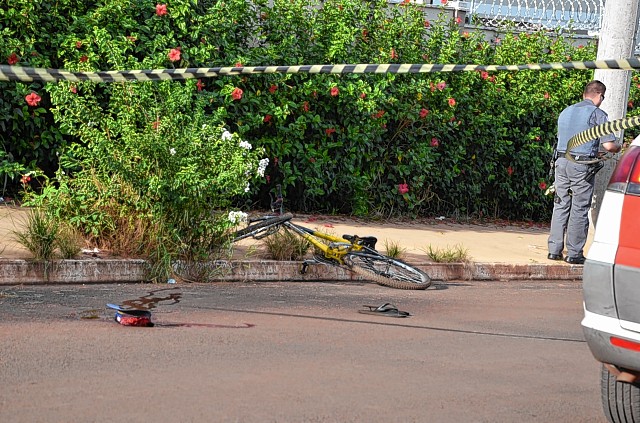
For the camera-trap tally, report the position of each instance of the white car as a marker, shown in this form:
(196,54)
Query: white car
(611,286)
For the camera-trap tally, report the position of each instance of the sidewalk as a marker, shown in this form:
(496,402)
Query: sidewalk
(496,252)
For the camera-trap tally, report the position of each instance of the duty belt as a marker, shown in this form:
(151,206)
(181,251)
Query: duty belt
(576,157)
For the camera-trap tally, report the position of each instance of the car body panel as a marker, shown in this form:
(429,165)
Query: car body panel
(598,331)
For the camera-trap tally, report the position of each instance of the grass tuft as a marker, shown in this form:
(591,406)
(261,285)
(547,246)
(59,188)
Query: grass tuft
(394,250)
(285,245)
(39,235)
(455,254)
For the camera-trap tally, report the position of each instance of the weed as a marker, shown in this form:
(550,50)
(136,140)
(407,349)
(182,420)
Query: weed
(286,245)
(69,241)
(455,254)
(39,235)
(394,250)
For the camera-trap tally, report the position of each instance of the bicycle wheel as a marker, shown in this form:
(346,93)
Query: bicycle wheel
(261,226)
(387,271)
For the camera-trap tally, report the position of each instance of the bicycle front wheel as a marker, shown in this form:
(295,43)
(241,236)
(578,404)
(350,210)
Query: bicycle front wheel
(261,226)
(387,271)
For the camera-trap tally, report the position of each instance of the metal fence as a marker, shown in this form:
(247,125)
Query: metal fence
(576,15)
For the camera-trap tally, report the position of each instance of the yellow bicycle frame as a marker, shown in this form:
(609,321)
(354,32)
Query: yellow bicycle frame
(337,248)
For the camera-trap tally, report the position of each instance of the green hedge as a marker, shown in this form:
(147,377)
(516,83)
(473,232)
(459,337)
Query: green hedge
(456,144)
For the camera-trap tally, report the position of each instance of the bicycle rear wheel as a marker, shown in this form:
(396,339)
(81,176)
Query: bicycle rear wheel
(261,226)
(387,271)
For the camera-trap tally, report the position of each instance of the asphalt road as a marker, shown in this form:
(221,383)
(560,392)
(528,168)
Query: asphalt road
(297,352)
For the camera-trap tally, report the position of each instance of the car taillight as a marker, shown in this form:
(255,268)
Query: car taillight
(624,343)
(626,176)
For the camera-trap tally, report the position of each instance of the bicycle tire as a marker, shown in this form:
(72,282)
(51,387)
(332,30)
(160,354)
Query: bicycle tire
(387,271)
(260,226)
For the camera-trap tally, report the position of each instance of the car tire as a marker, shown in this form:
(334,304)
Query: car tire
(620,400)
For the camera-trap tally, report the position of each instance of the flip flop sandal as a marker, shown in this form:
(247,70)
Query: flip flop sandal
(386,309)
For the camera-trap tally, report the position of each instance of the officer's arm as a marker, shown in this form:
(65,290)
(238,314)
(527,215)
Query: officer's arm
(611,146)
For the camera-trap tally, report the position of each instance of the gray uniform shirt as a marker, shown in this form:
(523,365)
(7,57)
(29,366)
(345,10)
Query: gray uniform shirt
(577,118)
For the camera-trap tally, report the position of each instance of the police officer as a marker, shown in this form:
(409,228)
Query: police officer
(574,180)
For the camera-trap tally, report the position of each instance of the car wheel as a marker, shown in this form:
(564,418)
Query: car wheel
(620,400)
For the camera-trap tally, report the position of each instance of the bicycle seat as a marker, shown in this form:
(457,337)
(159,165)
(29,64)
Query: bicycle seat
(367,241)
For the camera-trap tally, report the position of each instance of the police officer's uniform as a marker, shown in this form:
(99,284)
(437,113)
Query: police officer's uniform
(573,180)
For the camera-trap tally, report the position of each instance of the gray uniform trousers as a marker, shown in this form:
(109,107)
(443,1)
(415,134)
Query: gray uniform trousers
(571,208)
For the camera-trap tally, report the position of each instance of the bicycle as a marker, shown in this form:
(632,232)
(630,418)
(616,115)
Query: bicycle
(357,254)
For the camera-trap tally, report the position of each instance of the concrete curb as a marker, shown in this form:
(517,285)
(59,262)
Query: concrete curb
(88,271)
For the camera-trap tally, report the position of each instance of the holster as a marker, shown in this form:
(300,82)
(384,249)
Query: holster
(593,169)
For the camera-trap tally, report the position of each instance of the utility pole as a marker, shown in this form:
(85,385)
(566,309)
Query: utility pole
(616,41)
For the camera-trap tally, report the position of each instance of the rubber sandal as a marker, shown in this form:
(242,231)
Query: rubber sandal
(386,309)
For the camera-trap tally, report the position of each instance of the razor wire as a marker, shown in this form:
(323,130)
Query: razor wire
(585,15)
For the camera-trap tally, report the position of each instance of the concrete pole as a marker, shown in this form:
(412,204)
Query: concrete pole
(616,41)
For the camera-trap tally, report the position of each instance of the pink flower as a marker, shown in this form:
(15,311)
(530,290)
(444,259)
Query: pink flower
(25,179)
(458,20)
(32,99)
(84,58)
(542,185)
(434,142)
(267,119)
(444,1)
(273,89)
(73,89)
(238,65)
(329,131)
(546,96)
(305,106)
(155,125)
(403,189)
(423,113)
(466,34)
(335,91)
(484,75)
(441,85)
(161,9)
(452,102)
(200,85)
(510,170)
(427,24)
(174,54)
(394,55)
(13,59)
(379,114)
(78,44)
(363,95)
(236,94)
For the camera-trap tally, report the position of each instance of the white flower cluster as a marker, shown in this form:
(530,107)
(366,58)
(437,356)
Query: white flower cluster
(246,145)
(262,166)
(246,189)
(172,151)
(237,217)
(226,135)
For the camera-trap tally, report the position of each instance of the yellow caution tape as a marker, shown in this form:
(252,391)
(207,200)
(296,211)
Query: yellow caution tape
(25,74)
(599,131)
